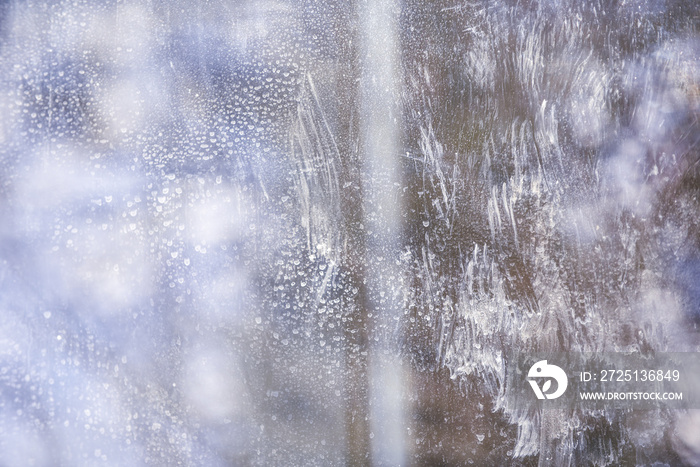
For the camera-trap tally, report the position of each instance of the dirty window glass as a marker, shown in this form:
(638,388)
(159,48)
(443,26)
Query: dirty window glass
(319,232)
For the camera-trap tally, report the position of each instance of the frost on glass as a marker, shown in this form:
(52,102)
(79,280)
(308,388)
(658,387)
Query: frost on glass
(307,232)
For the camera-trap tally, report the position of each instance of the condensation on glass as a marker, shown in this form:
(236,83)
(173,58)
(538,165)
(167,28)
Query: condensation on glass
(316,232)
